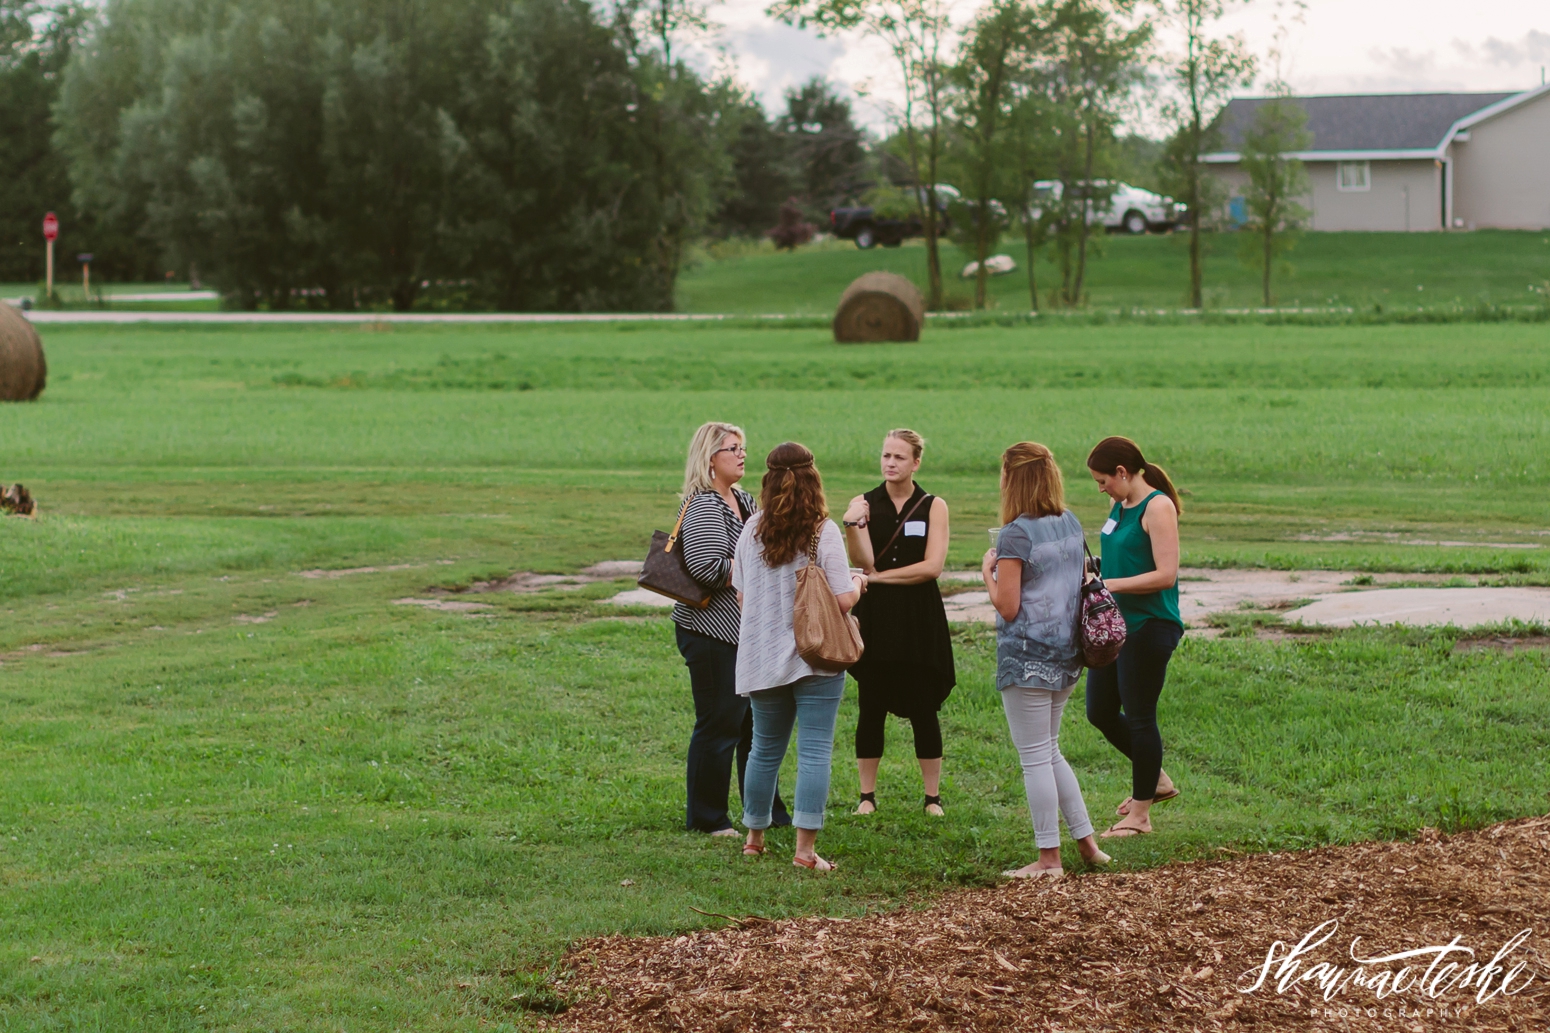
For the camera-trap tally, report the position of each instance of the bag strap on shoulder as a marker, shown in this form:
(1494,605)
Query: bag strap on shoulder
(677,524)
(900,529)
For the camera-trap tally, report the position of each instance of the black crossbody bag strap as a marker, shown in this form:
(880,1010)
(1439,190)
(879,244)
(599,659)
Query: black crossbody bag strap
(900,529)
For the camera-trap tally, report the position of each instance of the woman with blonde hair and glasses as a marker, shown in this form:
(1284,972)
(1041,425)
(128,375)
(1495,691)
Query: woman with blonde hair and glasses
(707,637)
(791,525)
(898,534)
(1034,576)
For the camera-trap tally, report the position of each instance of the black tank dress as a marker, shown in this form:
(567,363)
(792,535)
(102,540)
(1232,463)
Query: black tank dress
(907,666)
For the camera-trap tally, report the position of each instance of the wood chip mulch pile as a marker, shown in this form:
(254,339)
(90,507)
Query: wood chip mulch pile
(1171,948)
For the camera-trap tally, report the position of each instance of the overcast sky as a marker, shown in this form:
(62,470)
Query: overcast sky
(1339,46)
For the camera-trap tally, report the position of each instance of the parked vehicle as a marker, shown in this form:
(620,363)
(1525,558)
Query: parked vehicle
(868,229)
(1129,209)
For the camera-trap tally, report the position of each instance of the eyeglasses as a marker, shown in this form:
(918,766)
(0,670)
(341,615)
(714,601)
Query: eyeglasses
(737,450)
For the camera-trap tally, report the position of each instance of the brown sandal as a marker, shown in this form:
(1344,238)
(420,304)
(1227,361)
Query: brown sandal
(1159,798)
(1119,830)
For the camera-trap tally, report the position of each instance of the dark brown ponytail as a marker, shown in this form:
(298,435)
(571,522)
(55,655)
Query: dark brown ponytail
(1110,454)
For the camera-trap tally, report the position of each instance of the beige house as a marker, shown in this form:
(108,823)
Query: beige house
(1413,162)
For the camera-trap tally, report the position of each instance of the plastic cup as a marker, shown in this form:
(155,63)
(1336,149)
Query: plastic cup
(995,536)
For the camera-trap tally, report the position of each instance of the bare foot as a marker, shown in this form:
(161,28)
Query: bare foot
(1036,870)
(1090,852)
(813,862)
(935,810)
(726,832)
(865,807)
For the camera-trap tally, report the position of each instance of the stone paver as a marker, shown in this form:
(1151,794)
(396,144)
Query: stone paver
(1463,607)
(1326,598)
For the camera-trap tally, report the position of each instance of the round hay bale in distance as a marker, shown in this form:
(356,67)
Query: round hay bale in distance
(22,369)
(879,307)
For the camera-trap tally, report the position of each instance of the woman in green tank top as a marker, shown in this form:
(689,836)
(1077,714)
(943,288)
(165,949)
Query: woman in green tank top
(1140,543)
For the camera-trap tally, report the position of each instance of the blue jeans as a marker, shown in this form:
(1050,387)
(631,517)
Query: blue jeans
(811,704)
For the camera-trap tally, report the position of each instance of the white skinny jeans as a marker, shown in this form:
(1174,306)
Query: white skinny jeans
(1033,715)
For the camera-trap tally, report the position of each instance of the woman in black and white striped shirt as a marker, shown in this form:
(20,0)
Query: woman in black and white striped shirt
(707,638)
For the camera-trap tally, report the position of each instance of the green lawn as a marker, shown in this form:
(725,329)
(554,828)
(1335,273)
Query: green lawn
(1326,269)
(234,797)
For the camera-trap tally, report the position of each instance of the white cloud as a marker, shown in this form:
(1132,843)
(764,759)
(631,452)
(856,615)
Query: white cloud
(1340,46)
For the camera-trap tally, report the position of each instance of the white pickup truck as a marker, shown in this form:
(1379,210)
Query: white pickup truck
(1130,209)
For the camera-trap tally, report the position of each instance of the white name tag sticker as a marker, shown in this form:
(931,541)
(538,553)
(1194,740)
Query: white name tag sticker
(914,528)
(1108,526)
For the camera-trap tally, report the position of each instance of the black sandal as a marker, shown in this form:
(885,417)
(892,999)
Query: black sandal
(870,798)
(932,800)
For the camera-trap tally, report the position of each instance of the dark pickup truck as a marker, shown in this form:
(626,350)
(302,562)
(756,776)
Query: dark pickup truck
(868,229)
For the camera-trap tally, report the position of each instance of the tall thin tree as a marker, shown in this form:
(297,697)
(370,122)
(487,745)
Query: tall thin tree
(1203,75)
(1096,64)
(916,33)
(994,57)
(1277,180)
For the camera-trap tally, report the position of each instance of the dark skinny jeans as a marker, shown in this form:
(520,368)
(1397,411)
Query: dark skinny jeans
(723,728)
(1122,700)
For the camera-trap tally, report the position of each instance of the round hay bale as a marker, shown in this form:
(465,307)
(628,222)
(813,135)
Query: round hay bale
(22,369)
(879,307)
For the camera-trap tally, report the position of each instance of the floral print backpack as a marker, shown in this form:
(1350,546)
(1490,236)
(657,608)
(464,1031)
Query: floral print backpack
(1100,625)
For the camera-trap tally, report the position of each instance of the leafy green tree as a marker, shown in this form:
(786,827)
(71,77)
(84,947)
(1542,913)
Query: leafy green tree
(826,152)
(36,40)
(994,58)
(683,145)
(1203,76)
(1276,181)
(760,177)
(561,196)
(1031,145)
(1095,63)
(916,33)
(511,153)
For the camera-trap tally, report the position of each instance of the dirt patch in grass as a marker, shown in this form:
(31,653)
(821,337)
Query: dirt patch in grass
(1502,644)
(1173,948)
(332,575)
(444,605)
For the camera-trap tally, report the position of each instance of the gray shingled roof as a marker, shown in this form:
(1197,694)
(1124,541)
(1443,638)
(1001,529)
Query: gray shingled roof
(1376,122)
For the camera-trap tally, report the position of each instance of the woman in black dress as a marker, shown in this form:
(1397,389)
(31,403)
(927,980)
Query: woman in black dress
(897,534)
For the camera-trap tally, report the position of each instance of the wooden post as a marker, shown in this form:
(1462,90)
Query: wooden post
(86,279)
(49,274)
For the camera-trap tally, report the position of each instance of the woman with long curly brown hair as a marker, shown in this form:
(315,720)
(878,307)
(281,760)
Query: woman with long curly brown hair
(791,529)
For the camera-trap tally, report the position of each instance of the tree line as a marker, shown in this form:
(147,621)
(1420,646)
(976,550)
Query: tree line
(553,155)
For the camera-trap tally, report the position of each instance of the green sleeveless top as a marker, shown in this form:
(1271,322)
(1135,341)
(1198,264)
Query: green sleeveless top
(1127,551)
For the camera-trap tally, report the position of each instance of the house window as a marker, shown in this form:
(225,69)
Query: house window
(1353,175)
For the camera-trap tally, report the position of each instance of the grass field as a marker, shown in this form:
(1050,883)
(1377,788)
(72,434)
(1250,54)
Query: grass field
(1390,271)
(1326,269)
(235,797)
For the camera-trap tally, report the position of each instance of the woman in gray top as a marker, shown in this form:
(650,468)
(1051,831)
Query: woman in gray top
(1034,576)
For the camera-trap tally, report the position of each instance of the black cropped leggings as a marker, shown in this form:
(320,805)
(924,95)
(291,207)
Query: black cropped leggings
(869,732)
(1122,700)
